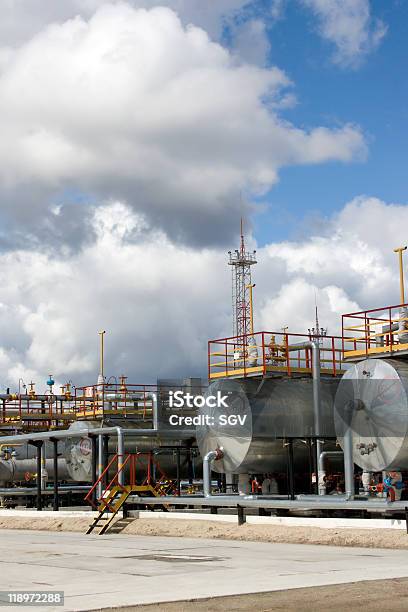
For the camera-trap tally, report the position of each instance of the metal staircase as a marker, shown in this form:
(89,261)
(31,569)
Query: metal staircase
(116,493)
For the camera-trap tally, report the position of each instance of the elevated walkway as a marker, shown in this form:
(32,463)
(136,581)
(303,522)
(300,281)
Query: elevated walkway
(266,354)
(377,333)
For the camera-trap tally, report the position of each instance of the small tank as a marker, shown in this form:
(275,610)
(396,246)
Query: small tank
(258,416)
(371,402)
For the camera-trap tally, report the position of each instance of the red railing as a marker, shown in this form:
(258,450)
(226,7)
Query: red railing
(128,468)
(262,352)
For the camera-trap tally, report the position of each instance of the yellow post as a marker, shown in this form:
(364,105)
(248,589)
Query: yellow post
(400,251)
(251,306)
(102,333)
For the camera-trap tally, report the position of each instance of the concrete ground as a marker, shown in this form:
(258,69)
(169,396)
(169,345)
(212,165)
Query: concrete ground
(98,572)
(357,596)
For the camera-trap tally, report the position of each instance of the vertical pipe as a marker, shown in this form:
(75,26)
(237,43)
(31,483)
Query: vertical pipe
(121,455)
(263,354)
(310,449)
(102,365)
(348,463)
(190,467)
(155,410)
(39,468)
(291,479)
(56,494)
(400,250)
(178,473)
(100,464)
(94,466)
(105,458)
(251,308)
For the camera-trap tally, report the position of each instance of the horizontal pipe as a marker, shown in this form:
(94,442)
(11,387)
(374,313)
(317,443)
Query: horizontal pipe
(179,434)
(319,503)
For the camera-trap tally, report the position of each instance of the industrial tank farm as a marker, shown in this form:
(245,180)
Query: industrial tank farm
(324,414)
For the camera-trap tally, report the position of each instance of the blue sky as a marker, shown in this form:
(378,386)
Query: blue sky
(374,95)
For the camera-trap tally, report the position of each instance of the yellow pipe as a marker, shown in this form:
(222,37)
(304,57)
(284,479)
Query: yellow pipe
(102,334)
(400,251)
(251,308)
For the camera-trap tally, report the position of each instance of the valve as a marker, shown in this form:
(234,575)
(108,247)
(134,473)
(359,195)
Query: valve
(51,383)
(31,392)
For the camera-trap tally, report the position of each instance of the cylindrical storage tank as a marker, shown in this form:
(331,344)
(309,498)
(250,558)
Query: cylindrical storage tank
(371,401)
(257,416)
(78,451)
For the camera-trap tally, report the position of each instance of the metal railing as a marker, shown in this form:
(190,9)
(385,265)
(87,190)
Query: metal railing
(375,332)
(127,399)
(262,352)
(137,471)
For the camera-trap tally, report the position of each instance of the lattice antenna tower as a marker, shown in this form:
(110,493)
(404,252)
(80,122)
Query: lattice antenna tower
(241,261)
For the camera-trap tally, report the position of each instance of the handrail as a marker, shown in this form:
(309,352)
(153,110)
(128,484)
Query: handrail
(92,489)
(131,460)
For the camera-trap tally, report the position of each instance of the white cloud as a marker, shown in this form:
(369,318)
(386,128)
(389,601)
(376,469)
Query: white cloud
(151,296)
(21,19)
(133,105)
(349,25)
(350,267)
(160,302)
(250,41)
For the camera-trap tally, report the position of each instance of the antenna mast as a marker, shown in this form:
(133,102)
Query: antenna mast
(241,261)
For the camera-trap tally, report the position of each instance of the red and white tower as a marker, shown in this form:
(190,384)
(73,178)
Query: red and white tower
(241,261)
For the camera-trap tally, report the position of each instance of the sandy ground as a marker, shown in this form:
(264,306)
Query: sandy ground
(369,596)
(383,538)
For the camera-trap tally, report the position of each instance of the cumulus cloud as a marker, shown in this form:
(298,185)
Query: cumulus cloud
(350,267)
(160,302)
(132,105)
(349,25)
(21,19)
(151,296)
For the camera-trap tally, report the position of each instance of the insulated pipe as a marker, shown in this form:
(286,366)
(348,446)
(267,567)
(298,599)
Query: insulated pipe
(322,469)
(348,464)
(314,346)
(73,433)
(153,397)
(324,455)
(207,461)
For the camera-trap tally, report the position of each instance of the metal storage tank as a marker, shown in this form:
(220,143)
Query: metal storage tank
(78,451)
(371,403)
(270,409)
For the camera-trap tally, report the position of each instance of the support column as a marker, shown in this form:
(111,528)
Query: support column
(105,455)
(38,444)
(55,460)
(94,467)
(190,467)
(291,471)
(178,472)
(100,464)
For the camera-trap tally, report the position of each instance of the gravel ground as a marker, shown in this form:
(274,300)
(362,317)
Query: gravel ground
(370,596)
(381,538)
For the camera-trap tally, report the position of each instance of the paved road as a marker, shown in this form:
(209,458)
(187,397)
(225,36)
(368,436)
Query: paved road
(119,570)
